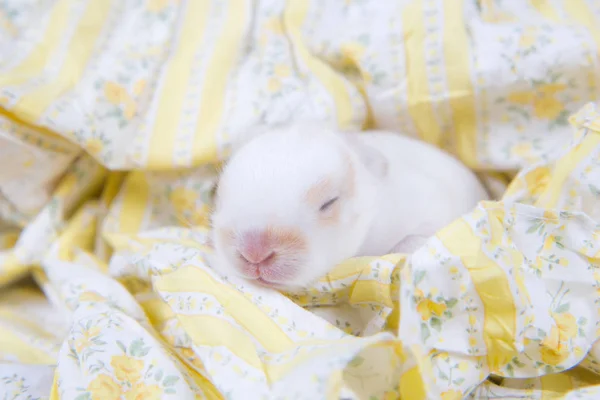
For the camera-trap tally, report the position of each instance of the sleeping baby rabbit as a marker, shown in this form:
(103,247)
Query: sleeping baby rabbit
(295,201)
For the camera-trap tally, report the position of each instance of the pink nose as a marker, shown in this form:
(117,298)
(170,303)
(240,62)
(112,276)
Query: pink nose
(256,248)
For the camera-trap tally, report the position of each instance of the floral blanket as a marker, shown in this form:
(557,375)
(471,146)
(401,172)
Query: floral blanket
(116,114)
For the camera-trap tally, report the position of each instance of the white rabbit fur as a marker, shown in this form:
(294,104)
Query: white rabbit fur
(393,191)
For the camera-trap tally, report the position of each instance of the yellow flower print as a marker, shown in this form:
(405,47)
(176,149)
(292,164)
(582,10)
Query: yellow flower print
(200,216)
(545,105)
(104,387)
(85,340)
(427,308)
(130,107)
(472,341)
(472,319)
(94,145)
(578,351)
(567,325)
(538,264)
(537,180)
(528,38)
(419,294)
(453,270)
(127,368)
(183,199)
(493,15)
(114,92)
(521,149)
(274,85)
(563,262)
(554,350)
(550,216)
(139,87)
(282,70)
(141,391)
(463,366)
(529,320)
(452,395)
(117,95)
(91,296)
(548,242)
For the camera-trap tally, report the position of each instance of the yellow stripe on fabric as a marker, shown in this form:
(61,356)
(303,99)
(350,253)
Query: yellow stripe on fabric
(371,292)
(205,330)
(207,388)
(54,395)
(496,221)
(11,268)
(579,11)
(175,85)
(37,136)
(112,186)
(420,105)
(8,240)
(555,384)
(14,318)
(564,167)
(14,345)
(458,75)
(35,63)
(545,8)
(247,314)
(33,104)
(356,265)
(157,311)
(226,51)
(80,232)
(412,386)
(334,385)
(294,17)
(134,202)
(491,284)
(123,241)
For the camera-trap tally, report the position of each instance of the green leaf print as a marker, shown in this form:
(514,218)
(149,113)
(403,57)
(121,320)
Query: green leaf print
(562,308)
(425,333)
(436,324)
(170,380)
(419,275)
(122,346)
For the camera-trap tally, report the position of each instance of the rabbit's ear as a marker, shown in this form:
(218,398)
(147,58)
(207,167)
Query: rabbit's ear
(371,158)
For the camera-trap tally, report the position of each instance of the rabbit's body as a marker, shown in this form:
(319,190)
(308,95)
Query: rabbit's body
(295,201)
